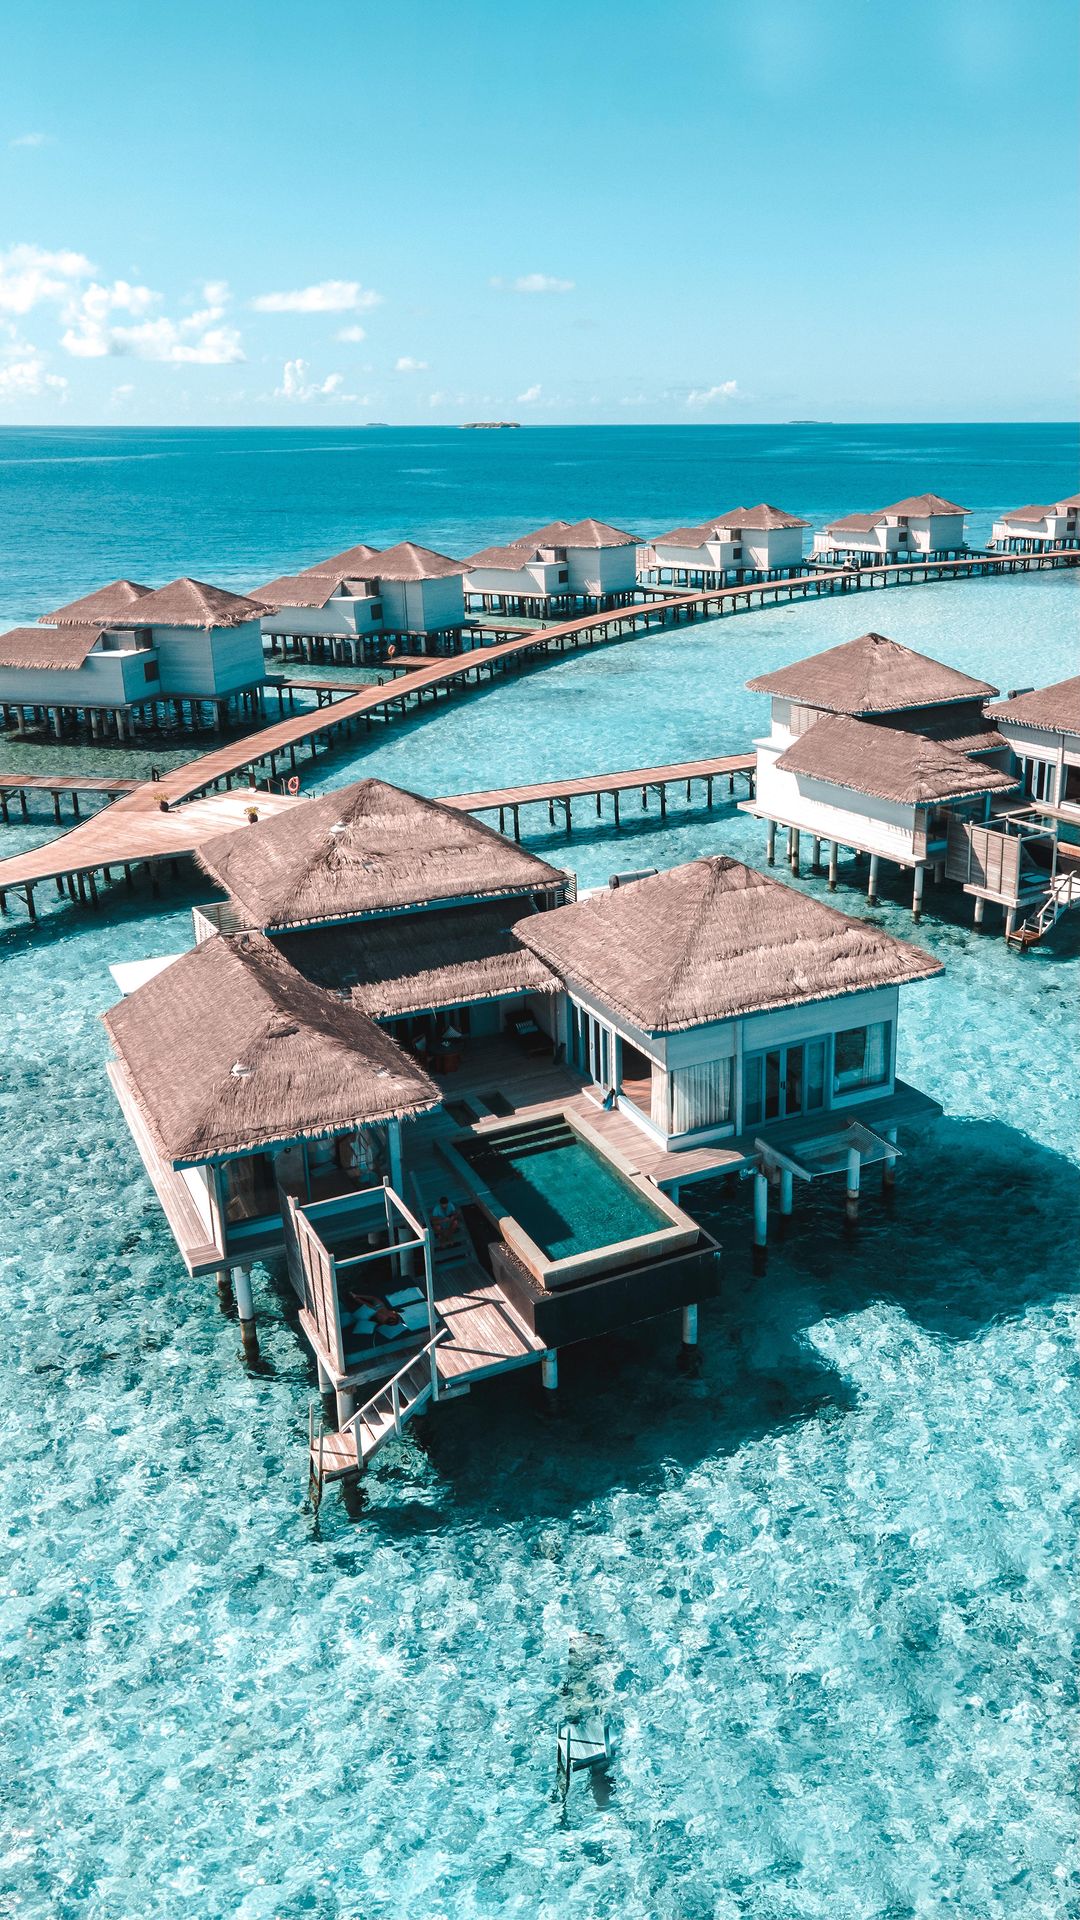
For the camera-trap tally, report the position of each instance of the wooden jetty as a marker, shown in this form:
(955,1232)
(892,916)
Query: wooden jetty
(598,787)
(119,835)
(16,786)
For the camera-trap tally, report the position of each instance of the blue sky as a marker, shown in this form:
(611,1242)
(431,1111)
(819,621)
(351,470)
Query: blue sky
(746,210)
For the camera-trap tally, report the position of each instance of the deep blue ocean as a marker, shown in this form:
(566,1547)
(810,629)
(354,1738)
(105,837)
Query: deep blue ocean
(829,1587)
(235,506)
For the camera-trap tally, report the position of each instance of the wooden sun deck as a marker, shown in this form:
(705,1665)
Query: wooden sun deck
(628,780)
(484,1334)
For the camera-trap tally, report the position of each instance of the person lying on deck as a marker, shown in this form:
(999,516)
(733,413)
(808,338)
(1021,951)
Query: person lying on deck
(444,1219)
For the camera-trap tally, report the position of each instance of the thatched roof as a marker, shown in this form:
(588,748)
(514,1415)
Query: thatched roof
(712,941)
(355,561)
(855,523)
(57,648)
(230,1049)
(921,506)
(1028,515)
(419,962)
(107,606)
(760,519)
(870,675)
(366,849)
(191,603)
(888,763)
(515,555)
(301,589)
(583,533)
(1055,709)
(406,561)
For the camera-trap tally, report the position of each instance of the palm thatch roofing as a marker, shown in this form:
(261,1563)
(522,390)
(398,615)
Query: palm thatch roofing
(366,849)
(515,555)
(191,603)
(870,675)
(1028,514)
(760,519)
(301,589)
(421,962)
(583,533)
(711,941)
(106,606)
(406,561)
(61,649)
(230,1050)
(855,523)
(888,762)
(1055,709)
(921,506)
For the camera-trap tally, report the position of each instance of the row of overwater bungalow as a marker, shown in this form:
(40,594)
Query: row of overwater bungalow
(463,1108)
(128,656)
(904,761)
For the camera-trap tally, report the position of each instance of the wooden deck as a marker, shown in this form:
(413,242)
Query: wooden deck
(16,786)
(563,793)
(484,1334)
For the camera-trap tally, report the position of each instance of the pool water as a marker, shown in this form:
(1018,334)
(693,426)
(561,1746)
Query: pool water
(564,1194)
(831,1583)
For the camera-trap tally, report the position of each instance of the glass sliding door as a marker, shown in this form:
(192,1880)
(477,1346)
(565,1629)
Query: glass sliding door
(783,1082)
(591,1046)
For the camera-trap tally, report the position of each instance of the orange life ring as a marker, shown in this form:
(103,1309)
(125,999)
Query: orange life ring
(294,783)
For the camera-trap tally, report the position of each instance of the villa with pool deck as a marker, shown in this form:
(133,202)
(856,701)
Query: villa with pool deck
(924,527)
(127,655)
(354,605)
(1038,529)
(394,1003)
(564,567)
(749,543)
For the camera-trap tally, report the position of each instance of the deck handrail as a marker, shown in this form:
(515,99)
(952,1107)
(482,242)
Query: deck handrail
(392,1388)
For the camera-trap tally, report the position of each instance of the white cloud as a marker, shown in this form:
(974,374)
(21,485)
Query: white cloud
(330,296)
(24,374)
(530,396)
(30,276)
(31,140)
(535,283)
(197,340)
(351,335)
(713,396)
(122,393)
(407,364)
(297,385)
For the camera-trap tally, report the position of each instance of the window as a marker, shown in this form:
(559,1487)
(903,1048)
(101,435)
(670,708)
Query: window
(249,1189)
(700,1096)
(151,670)
(861,1057)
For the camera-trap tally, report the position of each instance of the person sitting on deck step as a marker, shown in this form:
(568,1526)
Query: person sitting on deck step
(444,1219)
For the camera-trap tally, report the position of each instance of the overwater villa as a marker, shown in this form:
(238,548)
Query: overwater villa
(925,527)
(561,568)
(1038,529)
(462,1107)
(748,543)
(1042,727)
(881,750)
(355,605)
(127,656)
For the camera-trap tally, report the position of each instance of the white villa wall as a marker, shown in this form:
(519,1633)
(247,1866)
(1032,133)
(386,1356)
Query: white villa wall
(343,613)
(112,679)
(1052,749)
(773,547)
(596,571)
(422,606)
(887,827)
(210,662)
(540,577)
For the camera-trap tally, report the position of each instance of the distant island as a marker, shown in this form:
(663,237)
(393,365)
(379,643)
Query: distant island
(808,423)
(474,426)
(376,423)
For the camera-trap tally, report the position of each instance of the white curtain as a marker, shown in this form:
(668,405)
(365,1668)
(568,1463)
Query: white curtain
(701,1096)
(658,1109)
(875,1054)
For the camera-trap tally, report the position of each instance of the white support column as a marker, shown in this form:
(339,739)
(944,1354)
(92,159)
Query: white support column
(980,910)
(854,1175)
(888,1171)
(393,1130)
(690,1325)
(345,1403)
(761,1219)
(917,893)
(815,855)
(1010,923)
(794,844)
(872,883)
(787,1190)
(245,1308)
(834,856)
(549,1371)
(770,844)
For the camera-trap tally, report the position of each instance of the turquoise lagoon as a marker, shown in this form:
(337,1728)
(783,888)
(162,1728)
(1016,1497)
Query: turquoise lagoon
(830,1585)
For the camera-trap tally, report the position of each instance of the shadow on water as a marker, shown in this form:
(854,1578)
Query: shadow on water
(974,1236)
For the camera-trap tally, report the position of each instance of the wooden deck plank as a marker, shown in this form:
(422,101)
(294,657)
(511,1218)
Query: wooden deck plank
(627,780)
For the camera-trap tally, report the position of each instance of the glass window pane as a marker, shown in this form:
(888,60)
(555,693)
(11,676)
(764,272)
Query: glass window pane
(815,1075)
(752,1091)
(249,1188)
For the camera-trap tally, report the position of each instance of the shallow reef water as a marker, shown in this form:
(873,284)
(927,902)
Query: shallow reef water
(829,1584)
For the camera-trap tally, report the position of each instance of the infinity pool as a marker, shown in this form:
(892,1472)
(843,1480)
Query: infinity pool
(566,1196)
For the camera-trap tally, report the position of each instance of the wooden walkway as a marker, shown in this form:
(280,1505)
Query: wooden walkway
(563,793)
(120,835)
(16,786)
